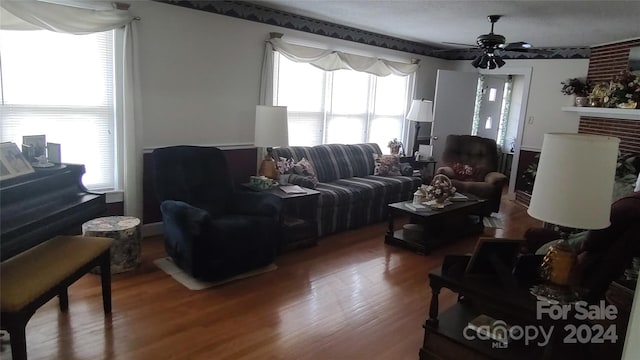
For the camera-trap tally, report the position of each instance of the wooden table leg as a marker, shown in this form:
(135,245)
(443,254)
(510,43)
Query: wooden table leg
(433,307)
(390,219)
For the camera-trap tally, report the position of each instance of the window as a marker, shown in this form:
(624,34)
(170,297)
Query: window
(342,106)
(492,94)
(62,86)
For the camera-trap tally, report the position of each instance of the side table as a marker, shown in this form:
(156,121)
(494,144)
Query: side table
(126,233)
(445,337)
(423,166)
(299,218)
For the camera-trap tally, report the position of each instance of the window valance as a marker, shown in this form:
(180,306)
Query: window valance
(335,60)
(38,15)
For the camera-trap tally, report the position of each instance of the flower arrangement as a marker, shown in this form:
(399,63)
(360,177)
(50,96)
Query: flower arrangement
(624,90)
(439,190)
(575,86)
(395,146)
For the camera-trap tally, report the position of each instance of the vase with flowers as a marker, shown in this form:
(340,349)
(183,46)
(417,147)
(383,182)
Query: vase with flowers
(395,145)
(578,87)
(624,91)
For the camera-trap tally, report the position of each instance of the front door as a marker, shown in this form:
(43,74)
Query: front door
(452,107)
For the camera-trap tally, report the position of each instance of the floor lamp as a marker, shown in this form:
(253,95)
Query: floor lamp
(572,189)
(271,130)
(420,111)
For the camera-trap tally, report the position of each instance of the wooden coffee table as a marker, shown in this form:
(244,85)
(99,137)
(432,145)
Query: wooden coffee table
(454,221)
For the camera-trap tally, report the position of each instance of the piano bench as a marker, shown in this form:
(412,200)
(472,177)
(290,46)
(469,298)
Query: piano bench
(33,277)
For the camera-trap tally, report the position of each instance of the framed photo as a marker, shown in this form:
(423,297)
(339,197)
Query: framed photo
(13,162)
(53,153)
(493,256)
(425,151)
(37,145)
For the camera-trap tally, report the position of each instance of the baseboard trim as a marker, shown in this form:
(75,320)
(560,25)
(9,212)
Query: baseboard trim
(152,229)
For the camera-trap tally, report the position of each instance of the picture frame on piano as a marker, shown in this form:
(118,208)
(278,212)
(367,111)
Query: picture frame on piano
(38,144)
(12,162)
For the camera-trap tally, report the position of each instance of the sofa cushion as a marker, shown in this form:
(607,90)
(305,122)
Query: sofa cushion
(361,158)
(337,194)
(332,162)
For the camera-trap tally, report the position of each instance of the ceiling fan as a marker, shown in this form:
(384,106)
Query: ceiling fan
(492,42)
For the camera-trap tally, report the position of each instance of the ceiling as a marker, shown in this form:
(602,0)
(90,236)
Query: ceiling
(546,24)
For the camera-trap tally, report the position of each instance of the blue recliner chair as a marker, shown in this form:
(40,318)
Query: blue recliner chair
(212,232)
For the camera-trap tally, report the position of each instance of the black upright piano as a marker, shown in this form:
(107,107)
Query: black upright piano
(38,206)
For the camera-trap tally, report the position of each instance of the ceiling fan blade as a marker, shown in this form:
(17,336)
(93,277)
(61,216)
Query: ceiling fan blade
(459,44)
(522,46)
(531,50)
(516,46)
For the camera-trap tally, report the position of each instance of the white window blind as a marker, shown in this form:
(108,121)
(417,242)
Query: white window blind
(342,106)
(62,85)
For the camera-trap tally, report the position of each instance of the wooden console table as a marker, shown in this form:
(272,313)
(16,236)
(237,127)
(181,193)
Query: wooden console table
(444,336)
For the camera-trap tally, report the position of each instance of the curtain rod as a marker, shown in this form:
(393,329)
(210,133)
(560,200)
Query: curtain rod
(125,7)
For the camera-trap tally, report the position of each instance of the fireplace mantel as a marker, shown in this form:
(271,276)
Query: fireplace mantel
(610,113)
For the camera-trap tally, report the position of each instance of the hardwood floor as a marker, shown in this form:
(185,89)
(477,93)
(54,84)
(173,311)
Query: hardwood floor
(350,297)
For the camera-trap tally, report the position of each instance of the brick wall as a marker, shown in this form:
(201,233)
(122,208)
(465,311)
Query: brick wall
(605,62)
(628,131)
(608,60)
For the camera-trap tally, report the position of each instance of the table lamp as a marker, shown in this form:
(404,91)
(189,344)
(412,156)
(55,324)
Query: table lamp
(420,111)
(572,189)
(271,130)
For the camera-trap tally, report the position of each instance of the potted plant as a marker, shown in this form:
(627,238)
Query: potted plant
(395,145)
(579,88)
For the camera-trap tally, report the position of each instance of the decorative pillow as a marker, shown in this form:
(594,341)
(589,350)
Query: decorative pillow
(465,172)
(386,165)
(305,168)
(285,166)
(304,181)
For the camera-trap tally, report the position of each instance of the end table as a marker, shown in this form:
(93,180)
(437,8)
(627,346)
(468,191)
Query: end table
(126,233)
(298,220)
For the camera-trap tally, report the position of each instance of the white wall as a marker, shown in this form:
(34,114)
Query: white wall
(514,111)
(200,73)
(545,98)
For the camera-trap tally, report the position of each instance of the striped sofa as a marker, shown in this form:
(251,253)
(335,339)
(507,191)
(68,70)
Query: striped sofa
(350,195)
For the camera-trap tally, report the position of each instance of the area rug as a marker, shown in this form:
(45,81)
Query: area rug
(493,221)
(168,266)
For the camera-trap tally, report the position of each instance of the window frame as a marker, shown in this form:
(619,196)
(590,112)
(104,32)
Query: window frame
(370,116)
(111,183)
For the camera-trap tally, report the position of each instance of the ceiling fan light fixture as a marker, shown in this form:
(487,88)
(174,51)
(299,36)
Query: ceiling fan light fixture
(488,61)
(476,61)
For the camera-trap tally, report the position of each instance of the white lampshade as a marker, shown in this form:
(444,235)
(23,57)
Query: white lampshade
(421,111)
(574,180)
(271,129)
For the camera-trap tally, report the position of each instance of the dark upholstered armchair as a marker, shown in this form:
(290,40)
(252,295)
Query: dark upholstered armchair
(471,162)
(212,232)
